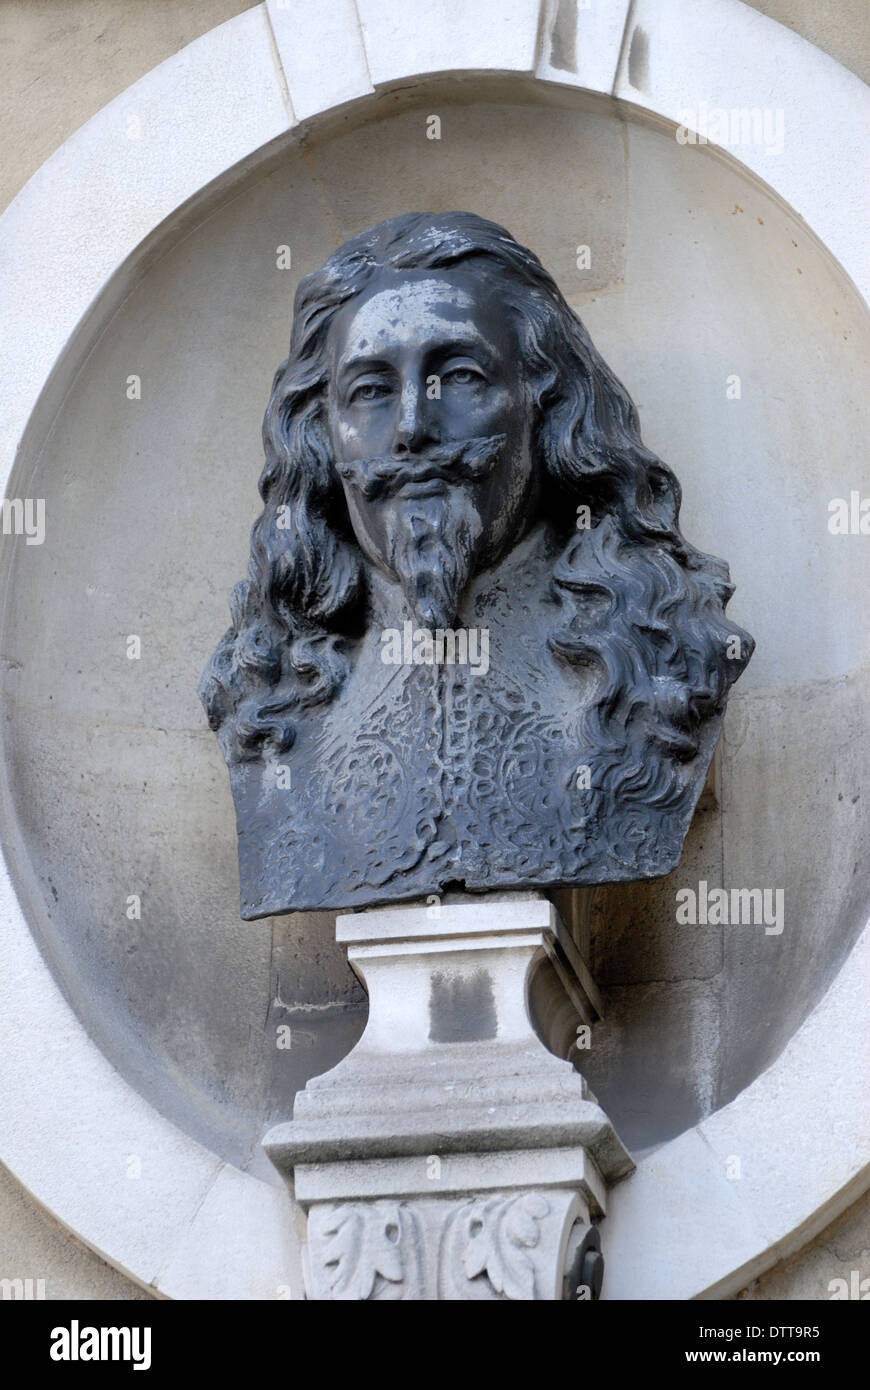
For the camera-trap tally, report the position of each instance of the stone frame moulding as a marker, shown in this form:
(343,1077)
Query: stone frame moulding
(193,1226)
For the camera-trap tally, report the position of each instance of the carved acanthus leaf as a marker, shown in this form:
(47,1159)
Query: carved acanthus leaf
(357,1244)
(502,1232)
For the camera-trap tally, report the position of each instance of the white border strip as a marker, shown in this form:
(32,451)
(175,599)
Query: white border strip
(192,1226)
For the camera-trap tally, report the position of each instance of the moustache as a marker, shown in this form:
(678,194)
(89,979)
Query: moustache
(457,462)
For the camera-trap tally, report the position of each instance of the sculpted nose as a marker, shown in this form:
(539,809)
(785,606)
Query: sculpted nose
(413,426)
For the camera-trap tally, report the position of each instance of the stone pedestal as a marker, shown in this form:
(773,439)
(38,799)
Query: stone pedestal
(451,1155)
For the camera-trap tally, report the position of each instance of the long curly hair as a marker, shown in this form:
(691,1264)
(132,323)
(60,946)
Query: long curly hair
(637,603)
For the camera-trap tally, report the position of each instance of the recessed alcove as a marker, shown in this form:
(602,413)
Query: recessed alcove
(697,274)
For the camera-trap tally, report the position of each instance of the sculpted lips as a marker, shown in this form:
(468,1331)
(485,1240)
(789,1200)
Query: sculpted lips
(430,487)
(423,475)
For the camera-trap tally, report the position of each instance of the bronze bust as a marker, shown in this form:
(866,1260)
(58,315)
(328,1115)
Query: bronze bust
(474,650)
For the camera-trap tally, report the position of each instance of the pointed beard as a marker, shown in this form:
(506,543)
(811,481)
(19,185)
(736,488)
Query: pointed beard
(434,546)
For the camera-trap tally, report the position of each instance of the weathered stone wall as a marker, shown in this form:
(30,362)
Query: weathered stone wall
(838,27)
(834,1265)
(62,60)
(34,1247)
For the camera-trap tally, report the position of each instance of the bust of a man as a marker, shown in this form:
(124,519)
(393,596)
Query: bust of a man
(474,650)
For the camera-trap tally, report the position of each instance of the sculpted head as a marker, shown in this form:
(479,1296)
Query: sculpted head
(440,397)
(429,421)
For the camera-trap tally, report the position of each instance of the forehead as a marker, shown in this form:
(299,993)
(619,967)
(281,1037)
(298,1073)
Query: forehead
(405,309)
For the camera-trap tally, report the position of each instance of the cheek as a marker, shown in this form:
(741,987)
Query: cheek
(509,484)
(513,411)
(481,415)
(346,442)
(355,438)
(345,434)
(341,429)
(518,460)
(511,480)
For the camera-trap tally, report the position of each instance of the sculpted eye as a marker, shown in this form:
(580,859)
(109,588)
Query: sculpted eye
(463,376)
(369,391)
